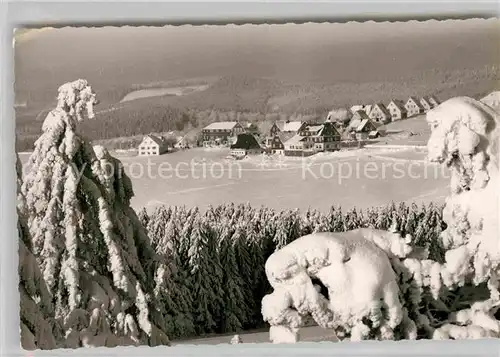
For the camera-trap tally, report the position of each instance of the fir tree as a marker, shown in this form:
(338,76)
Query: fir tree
(36,308)
(94,255)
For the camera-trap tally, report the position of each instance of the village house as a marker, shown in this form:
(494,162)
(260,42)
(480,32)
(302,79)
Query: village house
(283,127)
(313,138)
(433,100)
(356,108)
(324,136)
(297,146)
(413,107)
(220,133)
(152,145)
(425,104)
(397,109)
(361,126)
(364,107)
(380,114)
(287,126)
(277,143)
(429,102)
(356,120)
(181,143)
(246,144)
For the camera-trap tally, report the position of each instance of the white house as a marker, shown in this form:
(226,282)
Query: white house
(356,108)
(433,101)
(397,109)
(220,133)
(152,145)
(424,102)
(429,102)
(413,107)
(380,114)
(367,108)
(181,143)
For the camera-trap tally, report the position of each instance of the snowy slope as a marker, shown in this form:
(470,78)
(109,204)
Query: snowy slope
(493,100)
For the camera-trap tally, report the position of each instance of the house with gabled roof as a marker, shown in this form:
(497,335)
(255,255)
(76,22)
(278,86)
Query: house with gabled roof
(246,144)
(313,138)
(428,102)
(276,144)
(181,143)
(220,133)
(413,107)
(364,129)
(433,100)
(285,126)
(356,108)
(424,102)
(380,114)
(152,145)
(360,126)
(296,145)
(397,109)
(356,120)
(282,126)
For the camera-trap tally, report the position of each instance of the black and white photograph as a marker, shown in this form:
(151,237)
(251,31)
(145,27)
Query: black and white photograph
(258,183)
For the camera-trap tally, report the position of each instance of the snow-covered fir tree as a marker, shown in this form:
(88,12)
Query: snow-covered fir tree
(95,256)
(37,324)
(466,137)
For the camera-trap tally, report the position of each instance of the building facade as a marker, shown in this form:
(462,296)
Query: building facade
(433,101)
(413,107)
(425,104)
(380,114)
(152,145)
(397,109)
(276,144)
(246,144)
(313,138)
(220,133)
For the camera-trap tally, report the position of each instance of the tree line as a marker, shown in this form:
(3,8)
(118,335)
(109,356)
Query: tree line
(216,258)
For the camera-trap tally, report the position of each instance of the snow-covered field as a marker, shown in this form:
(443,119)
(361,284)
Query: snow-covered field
(356,178)
(307,334)
(157,92)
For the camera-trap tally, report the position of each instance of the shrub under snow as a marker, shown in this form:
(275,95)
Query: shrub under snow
(379,286)
(94,255)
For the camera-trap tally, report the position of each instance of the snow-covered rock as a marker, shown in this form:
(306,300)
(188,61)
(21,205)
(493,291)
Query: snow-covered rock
(357,273)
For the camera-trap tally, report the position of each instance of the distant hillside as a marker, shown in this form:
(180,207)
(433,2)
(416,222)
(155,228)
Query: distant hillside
(306,69)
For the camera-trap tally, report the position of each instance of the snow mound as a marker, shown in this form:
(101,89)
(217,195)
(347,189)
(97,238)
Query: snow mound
(357,273)
(492,100)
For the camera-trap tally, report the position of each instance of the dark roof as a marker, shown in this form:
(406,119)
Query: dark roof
(156,139)
(361,114)
(399,104)
(246,141)
(382,108)
(416,101)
